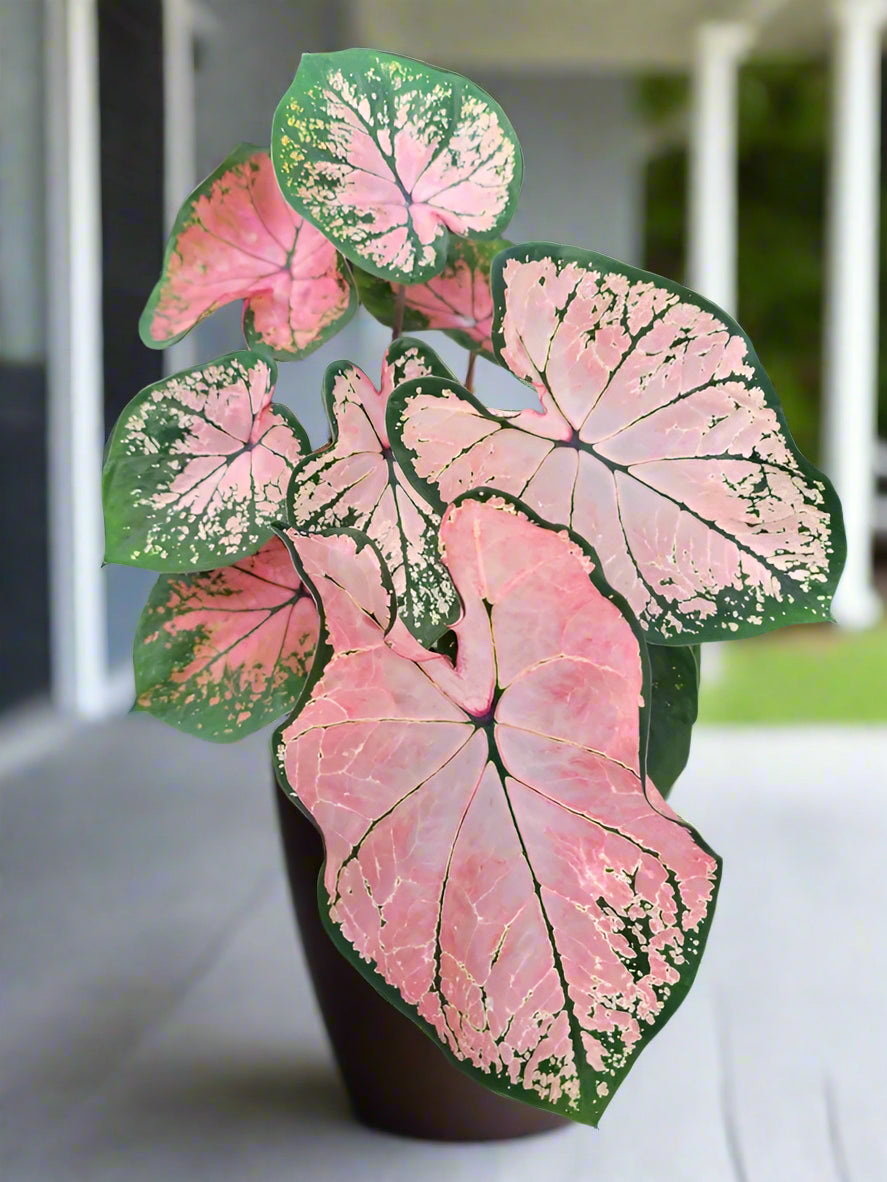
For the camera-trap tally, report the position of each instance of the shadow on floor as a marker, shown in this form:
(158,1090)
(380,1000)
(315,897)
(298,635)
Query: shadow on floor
(205,1093)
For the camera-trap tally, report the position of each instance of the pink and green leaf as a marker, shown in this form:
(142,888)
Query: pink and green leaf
(355,483)
(236,238)
(674,702)
(660,440)
(388,156)
(197,467)
(458,301)
(496,864)
(221,653)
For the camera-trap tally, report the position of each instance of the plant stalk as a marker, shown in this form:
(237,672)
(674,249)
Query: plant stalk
(400,303)
(469,373)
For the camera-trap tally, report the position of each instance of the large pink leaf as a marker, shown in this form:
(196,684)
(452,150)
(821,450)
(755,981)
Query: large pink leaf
(355,482)
(387,155)
(197,467)
(221,653)
(236,238)
(494,864)
(458,301)
(660,440)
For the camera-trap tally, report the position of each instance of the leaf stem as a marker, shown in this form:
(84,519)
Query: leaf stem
(400,303)
(469,373)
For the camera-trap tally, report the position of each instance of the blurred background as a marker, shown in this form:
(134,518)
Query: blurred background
(154,1019)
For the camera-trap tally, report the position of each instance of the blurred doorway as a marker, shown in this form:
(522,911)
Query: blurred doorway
(101,64)
(24,594)
(132,172)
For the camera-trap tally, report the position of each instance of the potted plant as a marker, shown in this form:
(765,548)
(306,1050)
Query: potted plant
(481,627)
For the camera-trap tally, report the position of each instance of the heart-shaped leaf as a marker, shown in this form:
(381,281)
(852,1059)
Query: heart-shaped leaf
(236,238)
(356,483)
(222,653)
(386,155)
(674,701)
(494,865)
(458,300)
(197,467)
(660,440)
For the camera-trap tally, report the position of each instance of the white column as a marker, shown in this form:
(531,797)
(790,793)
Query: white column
(712,197)
(180,137)
(711,270)
(76,401)
(852,296)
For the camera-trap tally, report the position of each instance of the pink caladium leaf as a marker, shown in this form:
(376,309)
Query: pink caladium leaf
(496,864)
(355,483)
(458,301)
(660,440)
(197,467)
(236,238)
(221,653)
(387,156)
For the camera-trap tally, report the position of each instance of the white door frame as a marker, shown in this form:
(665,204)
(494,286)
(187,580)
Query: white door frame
(78,604)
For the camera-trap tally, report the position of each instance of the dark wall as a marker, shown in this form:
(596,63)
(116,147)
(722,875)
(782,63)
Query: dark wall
(131,95)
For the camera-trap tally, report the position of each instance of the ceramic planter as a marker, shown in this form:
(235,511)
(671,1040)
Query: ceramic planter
(396,1078)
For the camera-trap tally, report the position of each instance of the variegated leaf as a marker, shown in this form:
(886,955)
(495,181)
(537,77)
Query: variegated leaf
(495,865)
(458,300)
(197,467)
(386,156)
(355,482)
(660,440)
(221,653)
(236,238)
(674,700)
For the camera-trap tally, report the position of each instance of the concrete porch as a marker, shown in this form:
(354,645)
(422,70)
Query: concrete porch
(158,1024)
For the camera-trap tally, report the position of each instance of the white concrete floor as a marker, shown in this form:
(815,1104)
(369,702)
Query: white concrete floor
(156,1024)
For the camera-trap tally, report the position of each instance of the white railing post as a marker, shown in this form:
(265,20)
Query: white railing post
(179,136)
(712,196)
(712,246)
(851,337)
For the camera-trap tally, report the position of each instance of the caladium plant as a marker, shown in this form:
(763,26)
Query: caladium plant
(481,627)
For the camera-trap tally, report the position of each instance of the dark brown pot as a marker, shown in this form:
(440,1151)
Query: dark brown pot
(395,1076)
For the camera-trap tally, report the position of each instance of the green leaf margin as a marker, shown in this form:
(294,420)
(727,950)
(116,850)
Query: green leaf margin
(674,703)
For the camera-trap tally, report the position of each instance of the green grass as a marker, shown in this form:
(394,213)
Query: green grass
(805,674)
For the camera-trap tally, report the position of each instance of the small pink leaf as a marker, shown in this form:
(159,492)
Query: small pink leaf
(660,440)
(224,652)
(236,238)
(197,467)
(458,300)
(356,483)
(494,864)
(386,156)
